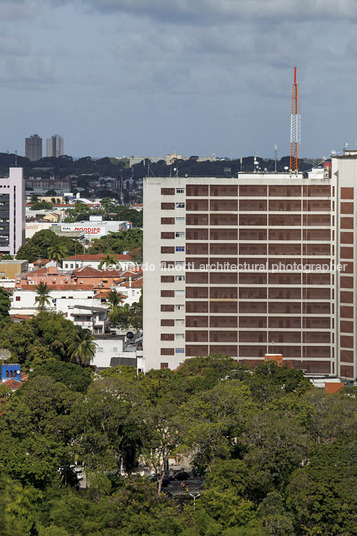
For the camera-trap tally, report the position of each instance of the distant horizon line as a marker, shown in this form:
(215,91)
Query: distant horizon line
(219,158)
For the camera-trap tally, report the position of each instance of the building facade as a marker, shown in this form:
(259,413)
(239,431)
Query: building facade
(54,146)
(96,229)
(12,211)
(255,265)
(41,186)
(33,147)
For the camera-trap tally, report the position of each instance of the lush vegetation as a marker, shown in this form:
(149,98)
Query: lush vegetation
(45,337)
(110,211)
(124,316)
(42,205)
(46,244)
(277,456)
(116,243)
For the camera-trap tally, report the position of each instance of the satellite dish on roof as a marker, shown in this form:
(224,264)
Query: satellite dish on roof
(130,335)
(4,354)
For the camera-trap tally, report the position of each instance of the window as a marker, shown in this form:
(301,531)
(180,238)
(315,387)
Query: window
(180,336)
(180,205)
(180,248)
(179,307)
(100,349)
(180,235)
(179,350)
(180,278)
(180,190)
(179,322)
(179,292)
(18,298)
(179,263)
(180,219)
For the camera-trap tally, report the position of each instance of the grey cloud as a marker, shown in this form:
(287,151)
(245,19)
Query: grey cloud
(19,9)
(178,11)
(24,70)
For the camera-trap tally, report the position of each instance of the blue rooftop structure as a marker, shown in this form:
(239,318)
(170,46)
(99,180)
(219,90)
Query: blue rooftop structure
(11,372)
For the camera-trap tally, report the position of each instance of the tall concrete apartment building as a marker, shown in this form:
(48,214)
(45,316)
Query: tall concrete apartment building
(33,148)
(259,264)
(54,146)
(12,211)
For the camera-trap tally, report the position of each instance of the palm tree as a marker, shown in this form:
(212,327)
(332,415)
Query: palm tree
(42,297)
(114,298)
(108,260)
(108,204)
(81,346)
(57,252)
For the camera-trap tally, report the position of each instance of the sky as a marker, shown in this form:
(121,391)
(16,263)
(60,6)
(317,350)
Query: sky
(195,77)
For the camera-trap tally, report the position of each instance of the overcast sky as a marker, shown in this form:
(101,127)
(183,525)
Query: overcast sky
(151,77)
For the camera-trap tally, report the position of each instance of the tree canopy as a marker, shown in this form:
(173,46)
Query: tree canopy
(280,461)
(39,245)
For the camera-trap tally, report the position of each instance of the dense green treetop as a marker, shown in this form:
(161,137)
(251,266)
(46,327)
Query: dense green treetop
(42,205)
(44,242)
(5,303)
(277,456)
(74,377)
(117,243)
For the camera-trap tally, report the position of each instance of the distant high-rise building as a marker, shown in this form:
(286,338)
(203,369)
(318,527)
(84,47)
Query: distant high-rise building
(12,212)
(54,146)
(33,147)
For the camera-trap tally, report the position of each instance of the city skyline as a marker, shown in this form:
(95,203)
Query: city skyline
(120,78)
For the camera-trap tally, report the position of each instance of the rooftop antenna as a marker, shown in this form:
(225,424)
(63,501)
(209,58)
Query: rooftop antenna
(295,128)
(15,158)
(275,157)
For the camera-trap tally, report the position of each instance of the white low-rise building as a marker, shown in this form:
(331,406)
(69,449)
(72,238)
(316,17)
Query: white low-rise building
(116,350)
(94,261)
(130,290)
(81,306)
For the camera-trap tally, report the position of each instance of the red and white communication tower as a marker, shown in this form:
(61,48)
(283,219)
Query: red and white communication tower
(295,128)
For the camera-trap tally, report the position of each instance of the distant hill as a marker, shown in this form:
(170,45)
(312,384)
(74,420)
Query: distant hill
(111,167)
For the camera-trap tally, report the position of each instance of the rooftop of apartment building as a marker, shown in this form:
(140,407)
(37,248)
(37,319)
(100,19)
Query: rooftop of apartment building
(84,278)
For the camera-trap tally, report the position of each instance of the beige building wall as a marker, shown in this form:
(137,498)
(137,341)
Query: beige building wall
(10,269)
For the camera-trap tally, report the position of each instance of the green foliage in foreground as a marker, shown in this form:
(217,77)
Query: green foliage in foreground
(42,242)
(277,456)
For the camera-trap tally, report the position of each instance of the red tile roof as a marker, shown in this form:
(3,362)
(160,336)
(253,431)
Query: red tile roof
(60,286)
(134,272)
(41,261)
(97,257)
(12,384)
(88,271)
(20,317)
(137,283)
